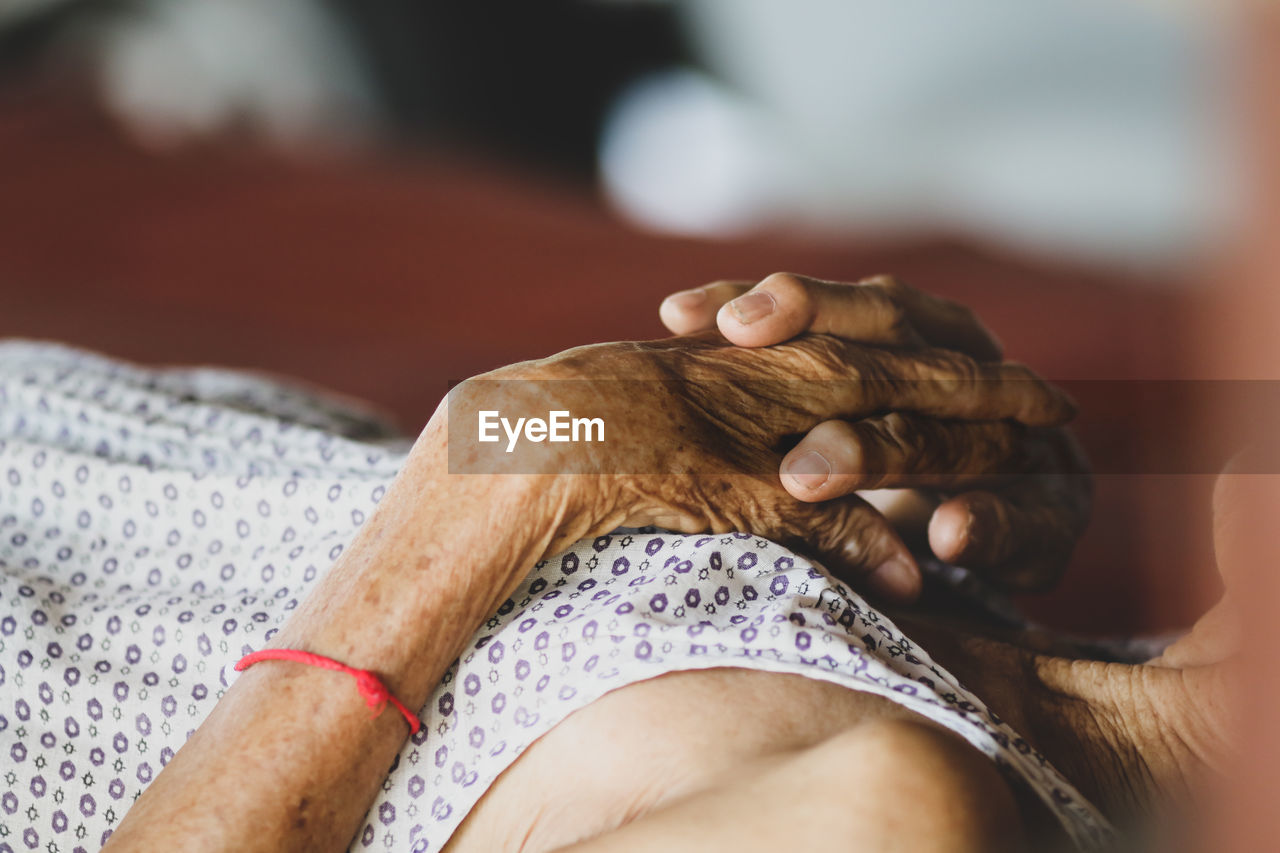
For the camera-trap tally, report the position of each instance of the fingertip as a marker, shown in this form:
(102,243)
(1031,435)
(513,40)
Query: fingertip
(777,309)
(950,528)
(897,579)
(747,321)
(873,557)
(805,474)
(735,331)
(685,312)
(974,530)
(827,463)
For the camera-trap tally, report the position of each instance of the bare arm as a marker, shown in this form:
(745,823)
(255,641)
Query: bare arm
(290,758)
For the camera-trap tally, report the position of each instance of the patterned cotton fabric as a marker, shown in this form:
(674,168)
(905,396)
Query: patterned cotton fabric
(156,525)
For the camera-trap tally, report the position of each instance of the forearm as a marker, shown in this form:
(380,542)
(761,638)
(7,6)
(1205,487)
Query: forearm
(290,758)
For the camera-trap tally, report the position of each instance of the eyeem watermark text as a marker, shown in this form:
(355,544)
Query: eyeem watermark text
(1127,427)
(559,426)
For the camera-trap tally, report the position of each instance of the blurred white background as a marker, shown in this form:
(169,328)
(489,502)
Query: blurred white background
(1087,127)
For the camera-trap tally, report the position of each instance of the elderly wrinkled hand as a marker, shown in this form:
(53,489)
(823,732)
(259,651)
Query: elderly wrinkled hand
(697,427)
(1019,532)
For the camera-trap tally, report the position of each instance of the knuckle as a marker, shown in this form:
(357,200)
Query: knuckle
(885,303)
(898,326)
(898,428)
(965,368)
(858,528)
(918,440)
(784,280)
(969,375)
(787,287)
(955,374)
(835,432)
(888,284)
(887,447)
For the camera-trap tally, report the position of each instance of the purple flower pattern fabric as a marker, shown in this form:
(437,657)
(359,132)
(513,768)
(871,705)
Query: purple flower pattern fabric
(156,525)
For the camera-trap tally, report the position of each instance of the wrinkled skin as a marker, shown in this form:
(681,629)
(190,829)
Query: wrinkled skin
(1019,532)
(697,428)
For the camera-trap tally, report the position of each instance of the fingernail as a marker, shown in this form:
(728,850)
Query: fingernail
(752,306)
(687,299)
(810,470)
(895,579)
(951,529)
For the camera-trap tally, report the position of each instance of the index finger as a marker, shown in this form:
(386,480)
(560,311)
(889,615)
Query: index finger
(853,381)
(878,310)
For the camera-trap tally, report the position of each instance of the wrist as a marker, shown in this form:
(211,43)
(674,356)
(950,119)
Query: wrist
(438,556)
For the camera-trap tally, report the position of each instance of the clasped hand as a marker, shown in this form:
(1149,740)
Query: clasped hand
(779,402)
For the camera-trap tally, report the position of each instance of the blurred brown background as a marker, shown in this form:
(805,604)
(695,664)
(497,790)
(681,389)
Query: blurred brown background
(386,271)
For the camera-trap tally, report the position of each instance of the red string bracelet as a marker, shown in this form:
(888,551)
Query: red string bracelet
(375,693)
